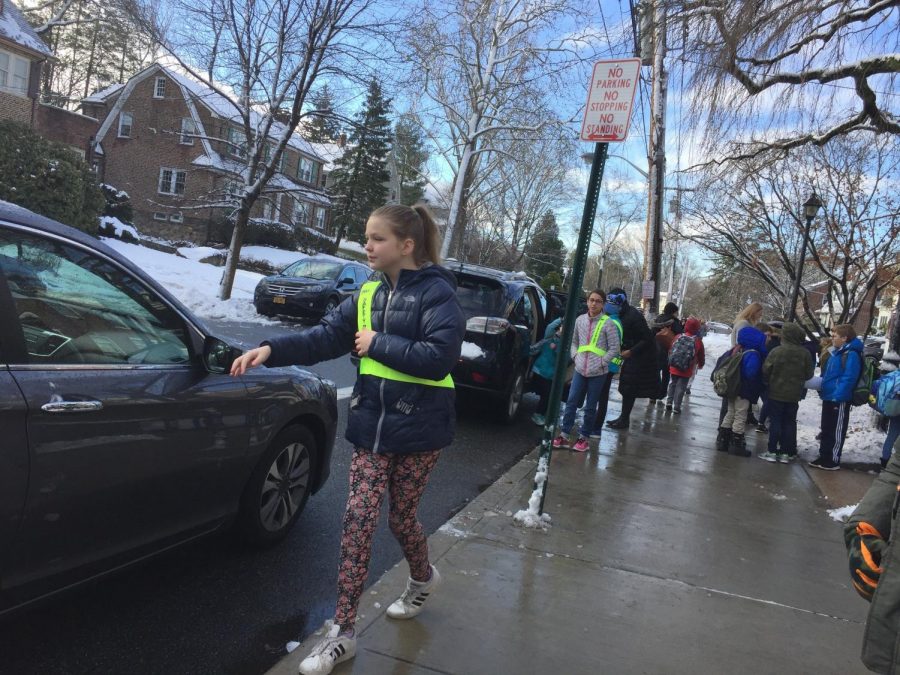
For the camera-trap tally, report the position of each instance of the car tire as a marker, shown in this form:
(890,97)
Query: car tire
(509,404)
(270,506)
(331,305)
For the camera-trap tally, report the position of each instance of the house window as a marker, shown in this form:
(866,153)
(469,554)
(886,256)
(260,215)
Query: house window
(159,88)
(159,215)
(14,72)
(188,131)
(171,181)
(301,213)
(237,143)
(125,123)
(176,217)
(306,170)
(320,218)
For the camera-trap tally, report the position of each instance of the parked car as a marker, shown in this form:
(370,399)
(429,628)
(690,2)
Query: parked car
(718,328)
(557,304)
(309,288)
(123,433)
(506,312)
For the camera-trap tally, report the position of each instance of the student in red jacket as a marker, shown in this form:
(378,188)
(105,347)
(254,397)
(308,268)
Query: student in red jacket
(685,357)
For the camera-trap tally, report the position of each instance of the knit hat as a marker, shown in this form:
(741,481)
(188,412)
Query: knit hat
(662,321)
(617,297)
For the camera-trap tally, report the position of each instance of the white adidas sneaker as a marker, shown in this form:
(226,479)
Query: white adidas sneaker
(332,650)
(414,597)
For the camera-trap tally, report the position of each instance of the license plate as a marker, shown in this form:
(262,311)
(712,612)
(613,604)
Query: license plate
(278,299)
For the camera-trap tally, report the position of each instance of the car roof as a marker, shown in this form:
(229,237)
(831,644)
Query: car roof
(480,270)
(18,215)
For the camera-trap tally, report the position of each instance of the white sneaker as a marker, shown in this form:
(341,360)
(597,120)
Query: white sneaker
(413,599)
(333,649)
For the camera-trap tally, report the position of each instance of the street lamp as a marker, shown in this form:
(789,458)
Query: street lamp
(810,209)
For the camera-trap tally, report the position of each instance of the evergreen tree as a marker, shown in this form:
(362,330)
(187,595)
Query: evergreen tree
(323,129)
(410,155)
(361,175)
(545,252)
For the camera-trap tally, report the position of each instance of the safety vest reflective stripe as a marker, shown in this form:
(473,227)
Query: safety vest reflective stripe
(368,365)
(595,339)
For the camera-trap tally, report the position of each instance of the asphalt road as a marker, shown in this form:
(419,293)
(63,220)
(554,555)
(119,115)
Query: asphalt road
(215,607)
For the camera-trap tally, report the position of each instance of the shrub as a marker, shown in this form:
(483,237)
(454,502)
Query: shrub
(48,178)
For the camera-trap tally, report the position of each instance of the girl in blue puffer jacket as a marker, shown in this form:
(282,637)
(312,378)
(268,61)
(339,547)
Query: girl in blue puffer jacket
(408,329)
(752,343)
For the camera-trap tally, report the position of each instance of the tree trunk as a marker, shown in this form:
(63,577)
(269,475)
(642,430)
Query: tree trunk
(90,67)
(234,252)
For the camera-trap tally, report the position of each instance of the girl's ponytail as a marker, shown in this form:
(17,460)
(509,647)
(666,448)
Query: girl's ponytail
(431,243)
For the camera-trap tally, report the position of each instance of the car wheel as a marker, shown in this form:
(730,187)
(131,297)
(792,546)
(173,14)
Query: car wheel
(279,487)
(509,404)
(331,305)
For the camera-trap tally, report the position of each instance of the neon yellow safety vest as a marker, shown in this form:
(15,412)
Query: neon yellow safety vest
(595,339)
(369,366)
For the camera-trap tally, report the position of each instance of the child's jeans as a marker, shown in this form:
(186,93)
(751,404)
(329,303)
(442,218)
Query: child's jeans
(592,387)
(782,426)
(736,417)
(677,387)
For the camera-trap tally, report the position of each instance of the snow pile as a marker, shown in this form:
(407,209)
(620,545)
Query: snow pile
(118,227)
(347,245)
(196,284)
(841,514)
(531,517)
(471,351)
(716,344)
(864,438)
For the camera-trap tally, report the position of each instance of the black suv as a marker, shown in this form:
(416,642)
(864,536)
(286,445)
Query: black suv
(309,288)
(506,312)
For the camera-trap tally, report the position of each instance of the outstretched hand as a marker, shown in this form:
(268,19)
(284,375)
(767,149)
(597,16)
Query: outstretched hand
(251,359)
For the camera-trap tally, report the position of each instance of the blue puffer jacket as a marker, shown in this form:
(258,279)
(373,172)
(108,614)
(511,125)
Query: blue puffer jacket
(840,378)
(546,349)
(420,330)
(753,342)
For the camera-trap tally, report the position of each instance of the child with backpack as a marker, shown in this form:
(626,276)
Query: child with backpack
(839,378)
(886,400)
(685,357)
(785,370)
(743,365)
(544,367)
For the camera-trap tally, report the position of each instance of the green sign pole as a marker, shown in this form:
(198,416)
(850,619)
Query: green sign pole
(580,262)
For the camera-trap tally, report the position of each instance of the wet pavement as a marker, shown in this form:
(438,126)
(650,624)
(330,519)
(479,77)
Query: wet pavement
(664,556)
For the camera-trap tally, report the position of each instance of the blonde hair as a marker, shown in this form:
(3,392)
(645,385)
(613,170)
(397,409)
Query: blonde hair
(751,310)
(416,223)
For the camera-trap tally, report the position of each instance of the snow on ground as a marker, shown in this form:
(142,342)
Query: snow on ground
(196,284)
(118,226)
(841,514)
(276,258)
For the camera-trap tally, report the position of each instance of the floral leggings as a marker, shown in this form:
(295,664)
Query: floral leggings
(406,476)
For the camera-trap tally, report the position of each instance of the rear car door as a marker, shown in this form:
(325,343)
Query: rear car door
(131,441)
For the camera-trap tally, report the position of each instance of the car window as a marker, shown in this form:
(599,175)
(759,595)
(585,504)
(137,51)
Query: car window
(320,270)
(480,297)
(362,274)
(75,307)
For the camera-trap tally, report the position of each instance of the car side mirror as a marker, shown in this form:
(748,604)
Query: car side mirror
(347,281)
(218,355)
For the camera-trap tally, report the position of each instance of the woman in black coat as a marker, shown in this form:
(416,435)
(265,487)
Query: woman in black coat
(639,377)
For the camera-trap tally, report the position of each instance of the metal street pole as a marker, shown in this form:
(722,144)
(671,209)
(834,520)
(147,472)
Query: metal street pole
(578,265)
(795,294)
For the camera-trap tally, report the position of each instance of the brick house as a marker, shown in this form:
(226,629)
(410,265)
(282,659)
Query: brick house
(21,54)
(176,147)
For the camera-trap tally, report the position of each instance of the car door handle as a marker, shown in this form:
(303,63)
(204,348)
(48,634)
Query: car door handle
(71,406)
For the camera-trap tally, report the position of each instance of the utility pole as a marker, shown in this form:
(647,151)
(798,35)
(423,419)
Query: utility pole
(656,159)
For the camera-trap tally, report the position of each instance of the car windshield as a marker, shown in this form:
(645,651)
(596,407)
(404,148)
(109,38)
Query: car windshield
(320,270)
(479,297)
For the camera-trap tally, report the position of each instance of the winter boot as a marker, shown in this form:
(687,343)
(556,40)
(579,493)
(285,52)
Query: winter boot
(738,446)
(723,439)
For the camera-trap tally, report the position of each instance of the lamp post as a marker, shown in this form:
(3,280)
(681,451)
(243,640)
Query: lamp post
(810,209)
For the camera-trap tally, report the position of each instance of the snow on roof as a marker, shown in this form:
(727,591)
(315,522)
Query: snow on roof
(330,152)
(103,94)
(225,107)
(15,28)
(279,182)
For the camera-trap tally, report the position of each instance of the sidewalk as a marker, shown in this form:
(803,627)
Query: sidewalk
(664,557)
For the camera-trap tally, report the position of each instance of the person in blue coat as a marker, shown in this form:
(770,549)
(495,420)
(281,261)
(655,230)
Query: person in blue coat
(544,367)
(752,345)
(838,381)
(407,327)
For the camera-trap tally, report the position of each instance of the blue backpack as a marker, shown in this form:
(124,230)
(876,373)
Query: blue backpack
(885,396)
